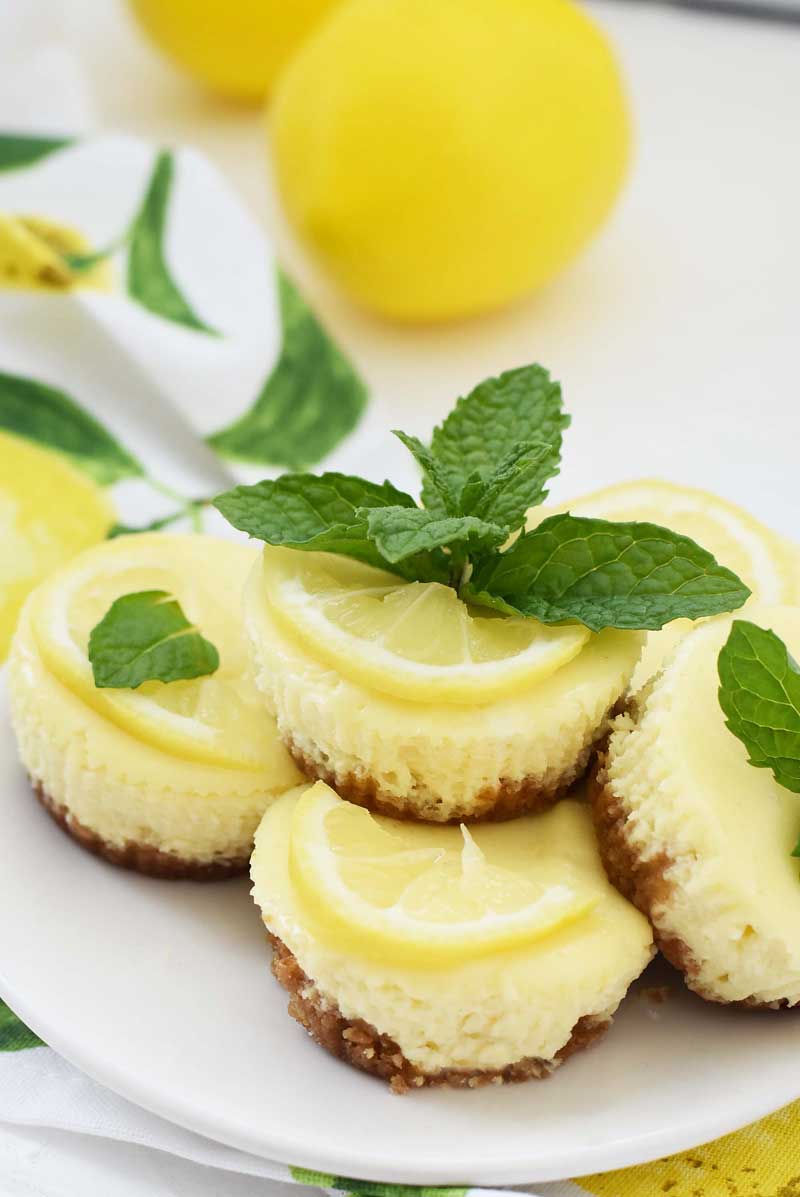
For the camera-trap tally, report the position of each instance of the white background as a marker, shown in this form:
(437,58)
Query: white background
(676,335)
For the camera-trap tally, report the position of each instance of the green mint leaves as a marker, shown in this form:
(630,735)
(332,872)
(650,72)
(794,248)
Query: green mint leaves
(603,574)
(146,637)
(490,424)
(486,466)
(760,697)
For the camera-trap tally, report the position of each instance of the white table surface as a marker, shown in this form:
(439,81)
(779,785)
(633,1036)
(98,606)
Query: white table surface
(694,286)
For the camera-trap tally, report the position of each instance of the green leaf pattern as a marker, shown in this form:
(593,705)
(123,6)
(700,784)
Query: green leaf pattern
(149,280)
(311,400)
(49,417)
(22,149)
(14,1035)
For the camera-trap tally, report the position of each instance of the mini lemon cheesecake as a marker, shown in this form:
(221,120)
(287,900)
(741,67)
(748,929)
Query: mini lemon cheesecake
(169,778)
(411,703)
(444,955)
(699,838)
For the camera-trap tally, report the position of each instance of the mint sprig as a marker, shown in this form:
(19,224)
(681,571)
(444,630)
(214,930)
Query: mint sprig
(760,697)
(146,637)
(486,466)
(603,574)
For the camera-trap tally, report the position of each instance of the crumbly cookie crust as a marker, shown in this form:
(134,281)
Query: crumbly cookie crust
(140,858)
(507,800)
(363,1046)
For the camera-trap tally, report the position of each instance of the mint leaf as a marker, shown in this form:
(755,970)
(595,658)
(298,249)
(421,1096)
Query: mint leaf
(760,697)
(311,400)
(490,423)
(149,279)
(320,513)
(146,637)
(603,575)
(515,486)
(435,477)
(49,417)
(324,513)
(402,532)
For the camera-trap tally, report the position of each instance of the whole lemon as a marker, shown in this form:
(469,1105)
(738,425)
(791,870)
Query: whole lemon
(443,157)
(237,47)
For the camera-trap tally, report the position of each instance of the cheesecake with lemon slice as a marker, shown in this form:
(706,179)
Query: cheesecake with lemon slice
(411,702)
(435,659)
(692,825)
(443,955)
(168,778)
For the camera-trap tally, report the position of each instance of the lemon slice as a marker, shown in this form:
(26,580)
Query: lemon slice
(426,896)
(49,511)
(736,538)
(217,719)
(415,640)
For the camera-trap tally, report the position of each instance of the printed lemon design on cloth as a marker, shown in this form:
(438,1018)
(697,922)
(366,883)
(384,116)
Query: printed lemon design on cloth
(33,256)
(422,895)
(737,539)
(217,719)
(763,1160)
(49,511)
(415,640)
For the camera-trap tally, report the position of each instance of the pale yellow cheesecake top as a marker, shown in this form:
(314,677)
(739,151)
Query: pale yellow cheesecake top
(460,1010)
(729,828)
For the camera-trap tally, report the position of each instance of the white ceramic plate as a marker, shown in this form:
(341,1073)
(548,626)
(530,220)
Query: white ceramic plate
(162,991)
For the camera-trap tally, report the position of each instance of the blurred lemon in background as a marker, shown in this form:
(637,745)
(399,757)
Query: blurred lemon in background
(237,47)
(442,158)
(49,511)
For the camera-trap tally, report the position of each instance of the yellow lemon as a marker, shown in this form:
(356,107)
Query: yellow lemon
(444,158)
(237,47)
(49,511)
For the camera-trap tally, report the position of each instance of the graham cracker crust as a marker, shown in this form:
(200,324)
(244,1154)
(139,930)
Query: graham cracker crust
(507,800)
(645,883)
(140,858)
(362,1045)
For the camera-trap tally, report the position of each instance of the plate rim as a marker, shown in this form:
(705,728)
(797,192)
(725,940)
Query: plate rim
(519,1170)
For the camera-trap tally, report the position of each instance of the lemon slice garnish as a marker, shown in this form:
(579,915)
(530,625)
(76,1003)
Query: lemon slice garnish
(415,640)
(49,511)
(737,539)
(426,896)
(218,719)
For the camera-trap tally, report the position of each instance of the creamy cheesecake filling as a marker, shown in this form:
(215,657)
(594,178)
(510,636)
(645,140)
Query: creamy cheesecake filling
(126,791)
(487,1013)
(725,829)
(435,761)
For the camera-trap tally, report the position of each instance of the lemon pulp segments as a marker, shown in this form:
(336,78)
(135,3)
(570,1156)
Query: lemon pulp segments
(421,895)
(49,511)
(414,640)
(216,719)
